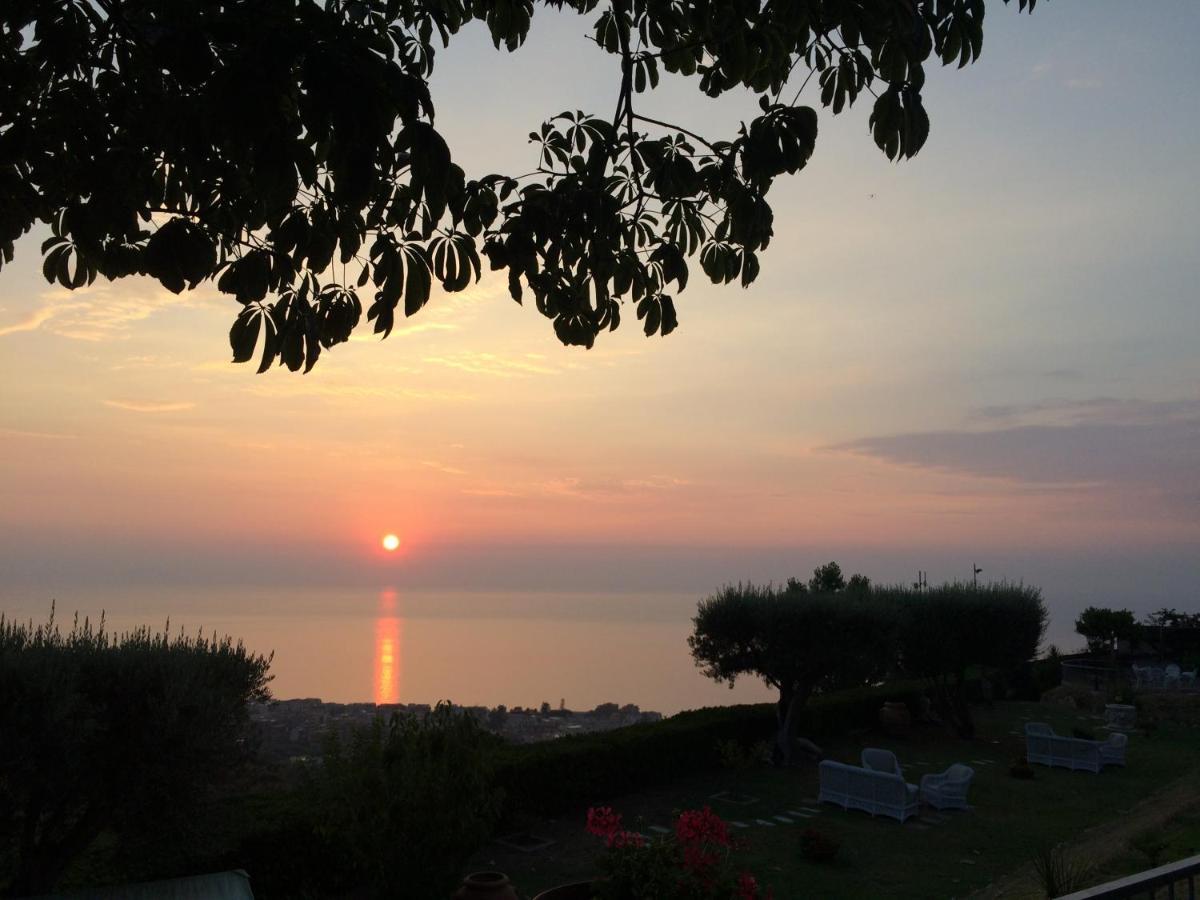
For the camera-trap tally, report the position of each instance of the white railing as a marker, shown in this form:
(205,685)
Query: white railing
(1175,881)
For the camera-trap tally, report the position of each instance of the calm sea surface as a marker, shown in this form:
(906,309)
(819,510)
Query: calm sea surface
(519,649)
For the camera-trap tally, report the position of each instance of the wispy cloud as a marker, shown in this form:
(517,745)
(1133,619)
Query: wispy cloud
(39,435)
(442,467)
(98,312)
(489,492)
(32,322)
(1094,443)
(479,363)
(148,406)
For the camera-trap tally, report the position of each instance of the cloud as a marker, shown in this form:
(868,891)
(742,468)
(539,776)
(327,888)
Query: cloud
(1102,442)
(148,406)
(489,492)
(31,322)
(364,337)
(46,435)
(98,312)
(492,364)
(442,467)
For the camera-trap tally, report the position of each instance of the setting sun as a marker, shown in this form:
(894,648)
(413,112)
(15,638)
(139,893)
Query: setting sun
(390,542)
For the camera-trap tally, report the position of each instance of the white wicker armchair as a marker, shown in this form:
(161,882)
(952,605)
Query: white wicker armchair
(1171,676)
(878,760)
(947,790)
(1112,751)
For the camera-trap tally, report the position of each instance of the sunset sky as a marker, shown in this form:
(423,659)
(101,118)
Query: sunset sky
(987,354)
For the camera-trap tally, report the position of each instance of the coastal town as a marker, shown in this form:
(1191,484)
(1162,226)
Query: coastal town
(295,729)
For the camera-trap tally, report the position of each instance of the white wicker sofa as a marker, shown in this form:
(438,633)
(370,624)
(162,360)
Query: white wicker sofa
(1043,746)
(879,793)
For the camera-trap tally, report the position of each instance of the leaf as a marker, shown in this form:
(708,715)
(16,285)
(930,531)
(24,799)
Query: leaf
(243,336)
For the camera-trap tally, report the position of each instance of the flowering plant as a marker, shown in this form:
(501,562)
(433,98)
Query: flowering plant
(691,863)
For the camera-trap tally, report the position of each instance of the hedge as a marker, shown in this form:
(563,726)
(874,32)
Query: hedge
(578,770)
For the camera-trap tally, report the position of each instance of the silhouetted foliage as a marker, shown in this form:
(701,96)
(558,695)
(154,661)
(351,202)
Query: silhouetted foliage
(1102,628)
(405,803)
(103,731)
(550,777)
(827,579)
(945,630)
(287,149)
(797,642)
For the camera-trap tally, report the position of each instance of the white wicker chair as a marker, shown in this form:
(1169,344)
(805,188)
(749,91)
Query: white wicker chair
(1045,747)
(878,760)
(1171,676)
(947,790)
(1112,751)
(878,793)
(1141,676)
(1187,679)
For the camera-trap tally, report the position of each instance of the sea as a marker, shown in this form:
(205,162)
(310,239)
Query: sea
(389,645)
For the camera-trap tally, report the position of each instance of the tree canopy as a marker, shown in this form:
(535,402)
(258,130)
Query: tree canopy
(947,629)
(1102,627)
(797,641)
(106,731)
(287,149)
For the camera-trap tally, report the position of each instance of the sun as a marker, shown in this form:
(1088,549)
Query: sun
(390,542)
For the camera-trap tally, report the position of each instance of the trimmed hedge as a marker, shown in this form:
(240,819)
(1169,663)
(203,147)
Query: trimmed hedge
(575,771)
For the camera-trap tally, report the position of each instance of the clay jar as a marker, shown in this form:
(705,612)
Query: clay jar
(895,718)
(486,886)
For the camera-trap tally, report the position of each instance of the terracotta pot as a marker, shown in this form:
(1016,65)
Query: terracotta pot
(895,718)
(486,886)
(578,890)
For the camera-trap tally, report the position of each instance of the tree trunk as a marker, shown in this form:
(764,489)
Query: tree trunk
(787,713)
(43,862)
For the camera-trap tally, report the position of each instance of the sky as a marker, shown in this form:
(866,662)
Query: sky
(985,355)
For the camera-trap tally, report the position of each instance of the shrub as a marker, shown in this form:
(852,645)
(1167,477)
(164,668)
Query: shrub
(104,731)
(405,803)
(1060,873)
(1150,845)
(818,847)
(1021,769)
(572,772)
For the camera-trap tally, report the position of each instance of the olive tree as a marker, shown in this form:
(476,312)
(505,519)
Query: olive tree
(287,149)
(1102,628)
(798,641)
(102,731)
(946,630)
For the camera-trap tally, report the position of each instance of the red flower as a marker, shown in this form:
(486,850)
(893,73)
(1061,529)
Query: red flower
(746,888)
(695,826)
(618,840)
(603,822)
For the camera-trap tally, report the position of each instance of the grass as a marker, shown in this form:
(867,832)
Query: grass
(1011,823)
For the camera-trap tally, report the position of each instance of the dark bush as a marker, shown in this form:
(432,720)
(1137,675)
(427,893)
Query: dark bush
(110,732)
(815,846)
(577,771)
(404,804)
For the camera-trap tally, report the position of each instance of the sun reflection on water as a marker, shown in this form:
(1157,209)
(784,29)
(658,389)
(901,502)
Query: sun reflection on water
(388,629)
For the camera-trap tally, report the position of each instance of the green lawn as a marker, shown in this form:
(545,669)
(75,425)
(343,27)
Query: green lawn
(1010,820)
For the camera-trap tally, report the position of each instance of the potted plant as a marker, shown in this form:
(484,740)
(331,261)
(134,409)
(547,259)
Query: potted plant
(693,862)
